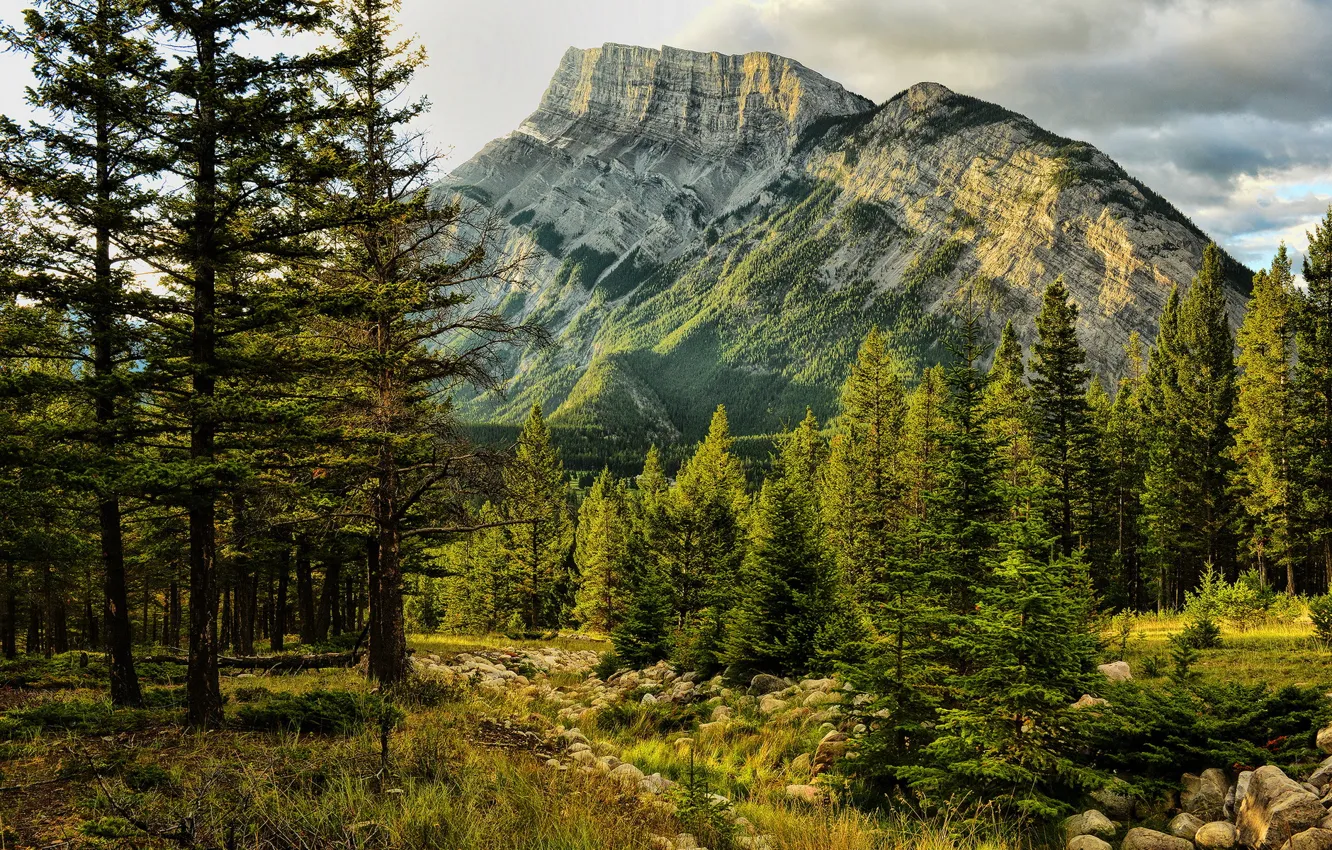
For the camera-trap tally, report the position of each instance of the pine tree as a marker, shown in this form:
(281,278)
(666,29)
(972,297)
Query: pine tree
(861,492)
(642,637)
(541,530)
(1063,432)
(921,435)
(1163,484)
(1313,392)
(81,165)
(1011,425)
(601,551)
(1264,421)
(786,582)
(1206,376)
(1005,738)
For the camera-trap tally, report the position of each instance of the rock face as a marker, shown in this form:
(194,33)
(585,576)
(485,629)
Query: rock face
(1274,808)
(707,228)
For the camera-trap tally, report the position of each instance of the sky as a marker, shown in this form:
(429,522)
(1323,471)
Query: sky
(1222,106)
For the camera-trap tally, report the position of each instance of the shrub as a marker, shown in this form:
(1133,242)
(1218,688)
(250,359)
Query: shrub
(1246,604)
(1320,613)
(1182,655)
(608,665)
(82,716)
(1153,667)
(320,711)
(657,718)
(426,692)
(707,818)
(1202,633)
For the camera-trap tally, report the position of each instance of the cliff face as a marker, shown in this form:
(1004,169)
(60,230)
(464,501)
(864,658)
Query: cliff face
(716,228)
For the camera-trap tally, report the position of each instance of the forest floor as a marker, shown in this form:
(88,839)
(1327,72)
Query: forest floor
(532,760)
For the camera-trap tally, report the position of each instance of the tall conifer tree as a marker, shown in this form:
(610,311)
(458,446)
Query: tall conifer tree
(1313,391)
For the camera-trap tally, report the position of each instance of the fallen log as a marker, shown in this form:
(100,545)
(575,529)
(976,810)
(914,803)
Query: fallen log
(270,662)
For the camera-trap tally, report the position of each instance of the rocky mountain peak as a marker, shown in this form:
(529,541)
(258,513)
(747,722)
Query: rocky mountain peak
(718,103)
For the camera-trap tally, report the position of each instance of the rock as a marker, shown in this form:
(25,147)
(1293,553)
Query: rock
(721,712)
(831,748)
(1117,805)
(585,757)
(1205,795)
(654,784)
(818,684)
(1116,671)
(1185,825)
(1275,808)
(800,765)
(818,698)
(805,793)
(1090,822)
(627,774)
(1242,788)
(770,704)
(1141,838)
(1087,842)
(764,683)
(578,747)
(648,699)
(1322,776)
(1324,739)
(1217,835)
(753,842)
(1325,823)
(661,842)
(1310,839)
(1089,701)
(685,841)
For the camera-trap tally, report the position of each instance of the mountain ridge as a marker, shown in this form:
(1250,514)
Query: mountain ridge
(692,250)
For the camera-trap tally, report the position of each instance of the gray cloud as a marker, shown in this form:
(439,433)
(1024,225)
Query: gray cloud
(1223,106)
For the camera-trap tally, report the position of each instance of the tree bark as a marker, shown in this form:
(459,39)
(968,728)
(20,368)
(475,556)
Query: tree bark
(328,595)
(278,632)
(9,616)
(205,692)
(305,600)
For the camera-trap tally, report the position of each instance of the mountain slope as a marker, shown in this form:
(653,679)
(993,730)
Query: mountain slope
(712,228)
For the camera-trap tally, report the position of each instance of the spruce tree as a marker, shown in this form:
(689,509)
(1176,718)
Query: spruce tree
(1011,425)
(1064,440)
(540,532)
(862,489)
(786,581)
(1264,422)
(1313,391)
(643,635)
(1163,493)
(601,551)
(1123,454)
(84,165)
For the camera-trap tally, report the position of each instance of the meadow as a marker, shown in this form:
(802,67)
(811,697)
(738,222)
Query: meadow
(466,765)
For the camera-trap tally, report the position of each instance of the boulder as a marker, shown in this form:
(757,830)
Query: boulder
(1323,775)
(1185,825)
(811,794)
(1141,838)
(831,748)
(1090,822)
(1087,842)
(721,712)
(771,704)
(1310,839)
(649,699)
(627,774)
(818,698)
(1273,809)
(1205,795)
(1324,739)
(1217,835)
(765,683)
(818,684)
(1117,805)
(800,765)
(1116,671)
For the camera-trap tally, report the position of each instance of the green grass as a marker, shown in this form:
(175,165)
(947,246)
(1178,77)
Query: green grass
(1274,654)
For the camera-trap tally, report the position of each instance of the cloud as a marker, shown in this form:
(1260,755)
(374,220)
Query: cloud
(1223,106)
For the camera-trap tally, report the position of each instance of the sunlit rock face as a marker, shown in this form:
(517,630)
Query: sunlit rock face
(725,229)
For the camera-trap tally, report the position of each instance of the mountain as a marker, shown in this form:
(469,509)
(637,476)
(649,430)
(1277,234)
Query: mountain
(708,228)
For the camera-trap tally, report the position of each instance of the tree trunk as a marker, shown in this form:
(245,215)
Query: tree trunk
(278,632)
(9,616)
(388,639)
(173,626)
(328,596)
(33,644)
(305,600)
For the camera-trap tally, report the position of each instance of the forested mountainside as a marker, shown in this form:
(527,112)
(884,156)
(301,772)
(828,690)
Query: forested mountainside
(713,229)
